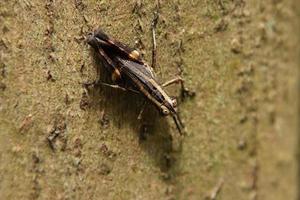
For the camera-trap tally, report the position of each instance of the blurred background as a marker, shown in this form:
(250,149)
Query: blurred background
(61,140)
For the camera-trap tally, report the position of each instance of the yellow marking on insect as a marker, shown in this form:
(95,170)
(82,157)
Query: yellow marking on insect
(134,54)
(116,75)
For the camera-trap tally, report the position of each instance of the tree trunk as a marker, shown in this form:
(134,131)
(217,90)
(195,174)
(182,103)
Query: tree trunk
(61,140)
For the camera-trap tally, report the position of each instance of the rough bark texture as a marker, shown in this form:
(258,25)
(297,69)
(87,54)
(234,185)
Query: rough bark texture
(59,140)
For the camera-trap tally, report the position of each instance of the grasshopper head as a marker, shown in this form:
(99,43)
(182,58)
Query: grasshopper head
(169,106)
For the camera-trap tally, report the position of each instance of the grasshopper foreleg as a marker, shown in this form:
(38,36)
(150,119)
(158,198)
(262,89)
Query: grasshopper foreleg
(185,92)
(172,81)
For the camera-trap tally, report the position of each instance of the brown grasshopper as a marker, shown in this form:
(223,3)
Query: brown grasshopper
(126,64)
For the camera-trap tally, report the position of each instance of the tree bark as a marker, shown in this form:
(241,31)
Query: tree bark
(61,140)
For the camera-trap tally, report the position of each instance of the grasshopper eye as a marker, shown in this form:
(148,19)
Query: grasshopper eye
(165,110)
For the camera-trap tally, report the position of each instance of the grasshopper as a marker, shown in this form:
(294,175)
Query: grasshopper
(126,65)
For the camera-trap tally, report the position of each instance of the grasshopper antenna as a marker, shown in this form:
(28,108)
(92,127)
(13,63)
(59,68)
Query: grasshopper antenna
(179,124)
